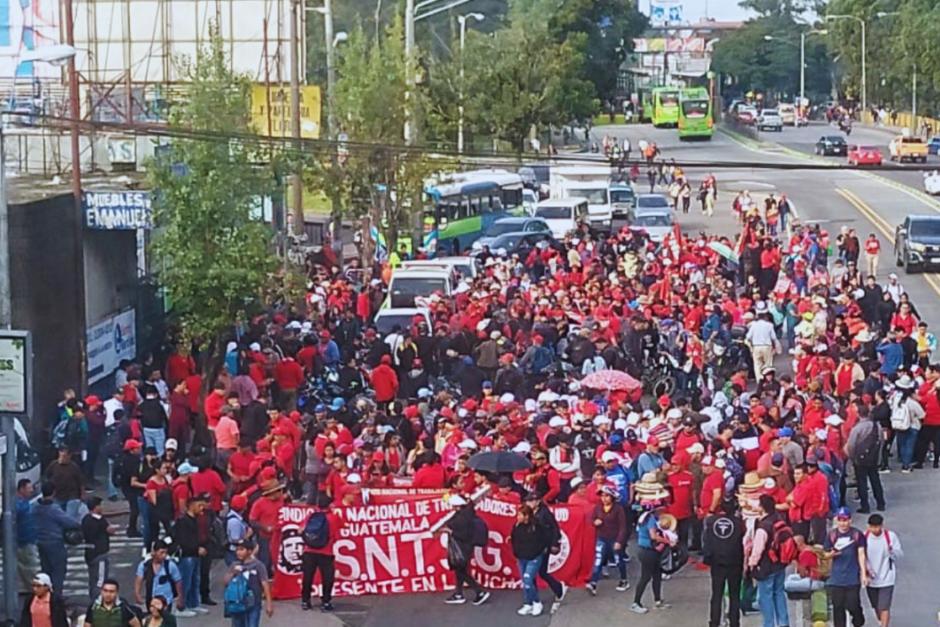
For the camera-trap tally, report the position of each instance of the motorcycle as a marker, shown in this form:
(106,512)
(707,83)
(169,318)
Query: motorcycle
(659,375)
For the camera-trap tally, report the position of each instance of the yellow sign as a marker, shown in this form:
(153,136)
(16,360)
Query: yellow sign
(271,111)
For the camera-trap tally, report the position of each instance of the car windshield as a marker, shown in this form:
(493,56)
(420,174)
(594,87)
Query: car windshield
(404,290)
(925,228)
(834,140)
(504,226)
(553,213)
(770,112)
(386,324)
(912,140)
(621,195)
(868,148)
(593,196)
(668,98)
(653,219)
(649,202)
(695,108)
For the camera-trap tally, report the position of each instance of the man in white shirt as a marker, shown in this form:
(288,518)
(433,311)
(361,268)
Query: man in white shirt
(762,338)
(883,549)
(894,288)
(113,404)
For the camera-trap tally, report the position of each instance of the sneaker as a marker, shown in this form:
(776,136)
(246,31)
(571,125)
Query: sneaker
(623,585)
(636,608)
(666,577)
(326,607)
(906,471)
(455,599)
(481,597)
(605,573)
(184,613)
(525,610)
(918,466)
(208,601)
(564,592)
(201,610)
(536,609)
(592,588)
(884,471)
(305,605)
(555,605)
(863,510)
(662,605)
(626,558)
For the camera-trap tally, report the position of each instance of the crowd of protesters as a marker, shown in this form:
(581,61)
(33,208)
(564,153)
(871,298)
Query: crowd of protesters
(730,464)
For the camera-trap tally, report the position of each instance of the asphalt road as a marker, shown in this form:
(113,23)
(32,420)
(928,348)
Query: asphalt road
(869,203)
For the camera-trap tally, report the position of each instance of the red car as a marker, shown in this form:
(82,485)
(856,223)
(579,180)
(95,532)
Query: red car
(864,155)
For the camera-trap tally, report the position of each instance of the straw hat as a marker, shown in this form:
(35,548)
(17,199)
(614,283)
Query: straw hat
(752,483)
(649,489)
(668,522)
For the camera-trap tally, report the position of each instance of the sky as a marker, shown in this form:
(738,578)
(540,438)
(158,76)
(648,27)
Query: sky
(717,9)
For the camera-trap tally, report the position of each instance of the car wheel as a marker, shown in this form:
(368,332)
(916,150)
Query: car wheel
(909,268)
(897,256)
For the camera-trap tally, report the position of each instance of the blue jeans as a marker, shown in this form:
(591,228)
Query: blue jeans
(603,550)
(143,506)
(189,571)
(251,618)
(112,489)
(155,438)
(529,570)
(74,508)
(772,600)
(906,441)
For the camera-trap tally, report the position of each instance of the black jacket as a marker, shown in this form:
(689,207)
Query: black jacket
(254,421)
(461,528)
(546,519)
(56,607)
(722,540)
(528,540)
(186,535)
(152,414)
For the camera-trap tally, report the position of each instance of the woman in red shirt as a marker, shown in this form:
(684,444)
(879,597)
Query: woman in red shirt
(904,319)
(376,474)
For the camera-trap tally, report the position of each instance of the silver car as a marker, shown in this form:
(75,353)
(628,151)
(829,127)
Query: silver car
(769,120)
(655,222)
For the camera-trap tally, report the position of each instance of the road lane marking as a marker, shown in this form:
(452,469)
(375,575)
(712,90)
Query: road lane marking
(883,226)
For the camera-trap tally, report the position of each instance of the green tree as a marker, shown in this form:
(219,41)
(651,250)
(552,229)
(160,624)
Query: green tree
(215,254)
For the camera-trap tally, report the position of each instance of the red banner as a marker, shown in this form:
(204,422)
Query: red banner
(385,547)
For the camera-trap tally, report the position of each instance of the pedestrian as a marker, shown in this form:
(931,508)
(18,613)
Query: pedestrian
(108,609)
(158,576)
(159,495)
(864,450)
(43,608)
(27,553)
(723,553)
(528,546)
(186,534)
(610,529)
(321,531)
(127,468)
(767,566)
(153,419)
(68,479)
(460,543)
(546,518)
(97,533)
(236,527)
(906,417)
(849,574)
(882,551)
(51,525)
(251,568)
(159,614)
(650,539)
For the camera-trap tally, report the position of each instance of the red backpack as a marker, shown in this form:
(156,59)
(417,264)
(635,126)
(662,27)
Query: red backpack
(782,549)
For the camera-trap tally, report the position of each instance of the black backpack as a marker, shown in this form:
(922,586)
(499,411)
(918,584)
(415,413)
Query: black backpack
(316,532)
(869,449)
(149,575)
(480,534)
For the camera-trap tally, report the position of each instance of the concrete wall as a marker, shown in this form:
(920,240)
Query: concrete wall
(47,152)
(45,284)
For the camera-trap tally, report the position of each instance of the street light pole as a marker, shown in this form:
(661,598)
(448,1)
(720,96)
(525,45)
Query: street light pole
(862,22)
(803,35)
(297,189)
(462,21)
(409,69)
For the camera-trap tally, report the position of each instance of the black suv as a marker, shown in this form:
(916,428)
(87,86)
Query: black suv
(831,145)
(917,243)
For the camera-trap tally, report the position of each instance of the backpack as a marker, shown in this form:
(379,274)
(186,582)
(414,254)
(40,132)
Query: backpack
(148,579)
(480,533)
(238,597)
(869,450)
(782,545)
(218,536)
(901,417)
(59,433)
(823,562)
(542,359)
(316,532)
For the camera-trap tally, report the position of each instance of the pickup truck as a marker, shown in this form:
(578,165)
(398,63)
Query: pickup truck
(909,148)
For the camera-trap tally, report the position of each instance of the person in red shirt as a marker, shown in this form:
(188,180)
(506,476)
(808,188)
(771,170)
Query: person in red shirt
(264,516)
(376,474)
(307,355)
(712,487)
(239,465)
(289,376)
(283,449)
(809,503)
(681,486)
(872,248)
(431,474)
(321,558)
(179,366)
(336,478)
(207,481)
(384,381)
(213,404)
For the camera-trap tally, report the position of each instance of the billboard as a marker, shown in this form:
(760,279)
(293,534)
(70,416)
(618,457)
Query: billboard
(117,210)
(27,25)
(271,111)
(147,38)
(108,342)
(666,12)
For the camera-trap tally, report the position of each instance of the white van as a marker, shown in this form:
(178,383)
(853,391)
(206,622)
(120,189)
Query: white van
(563,215)
(410,286)
(468,267)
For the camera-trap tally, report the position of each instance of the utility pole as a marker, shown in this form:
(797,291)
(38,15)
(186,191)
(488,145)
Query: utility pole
(6,298)
(914,100)
(297,187)
(409,71)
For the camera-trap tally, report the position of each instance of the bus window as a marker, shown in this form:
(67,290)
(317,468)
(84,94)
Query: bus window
(695,108)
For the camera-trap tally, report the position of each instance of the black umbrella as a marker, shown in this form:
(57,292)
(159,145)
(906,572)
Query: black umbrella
(498,461)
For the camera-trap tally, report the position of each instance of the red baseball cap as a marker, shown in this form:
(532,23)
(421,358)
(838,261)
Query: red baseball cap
(652,441)
(664,401)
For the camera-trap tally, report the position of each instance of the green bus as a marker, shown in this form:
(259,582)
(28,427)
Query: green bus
(665,106)
(695,114)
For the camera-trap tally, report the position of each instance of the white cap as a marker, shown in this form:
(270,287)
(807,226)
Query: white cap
(633,419)
(43,579)
(834,420)
(769,483)
(674,414)
(507,398)
(608,456)
(548,397)
(822,434)
(601,420)
(172,444)
(620,423)
(467,444)
(576,482)
(557,422)
(353,478)
(530,405)
(695,448)
(230,347)
(255,346)
(523,447)
(456,500)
